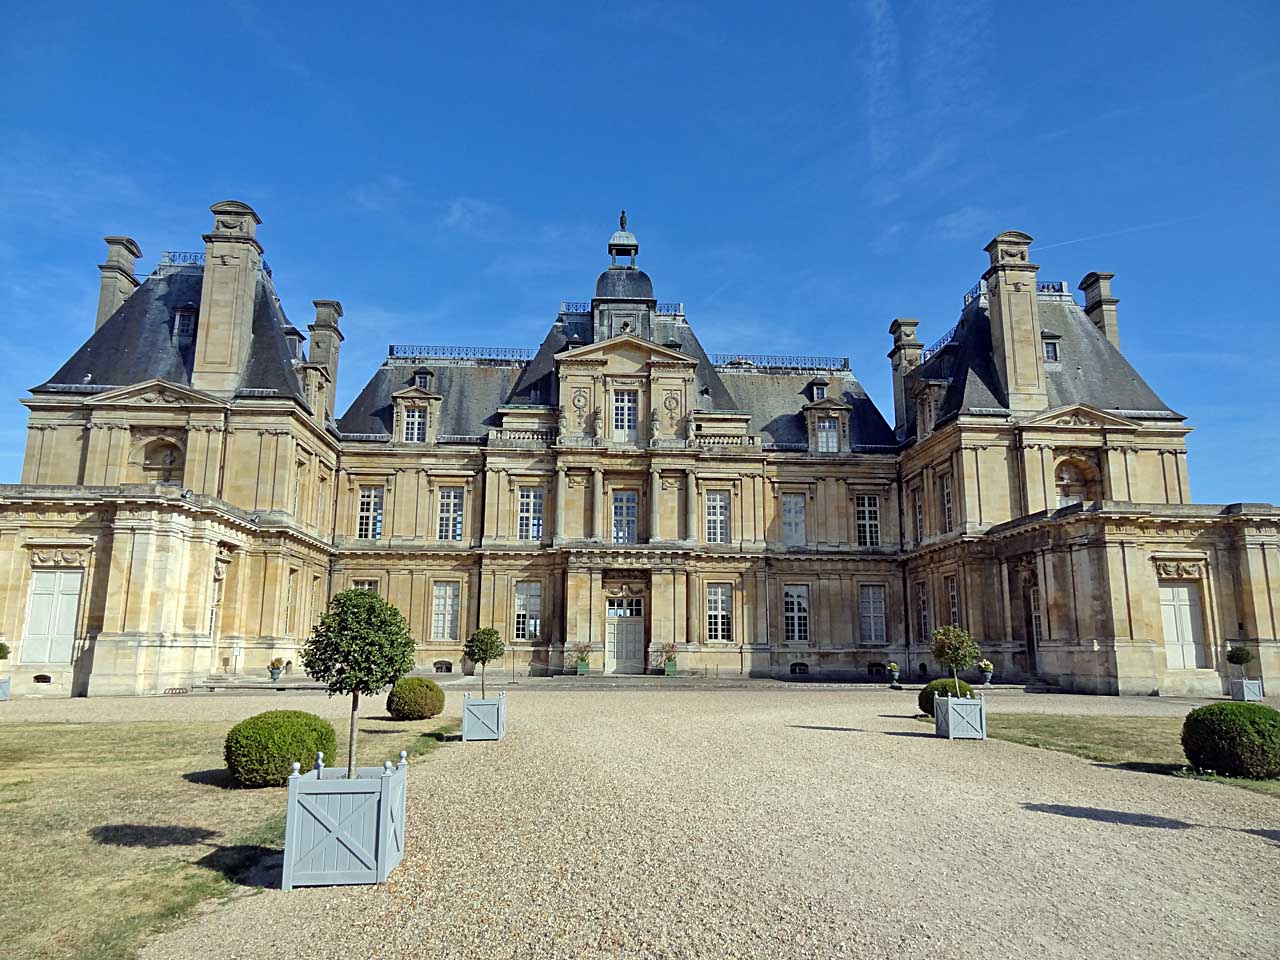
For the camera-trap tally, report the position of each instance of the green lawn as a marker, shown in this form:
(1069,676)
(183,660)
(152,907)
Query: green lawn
(109,831)
(1151,744)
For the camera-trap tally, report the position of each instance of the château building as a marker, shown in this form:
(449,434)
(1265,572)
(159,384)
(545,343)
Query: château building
(190,498)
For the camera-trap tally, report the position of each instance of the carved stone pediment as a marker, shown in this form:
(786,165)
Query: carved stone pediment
(1180,569)
(156,394)
(1079,415)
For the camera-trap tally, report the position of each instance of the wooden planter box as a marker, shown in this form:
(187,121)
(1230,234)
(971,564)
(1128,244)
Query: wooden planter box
(484,719)
(1248,690)
(958,718)
(340,831)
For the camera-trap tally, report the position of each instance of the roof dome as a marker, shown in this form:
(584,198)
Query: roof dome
(624,283)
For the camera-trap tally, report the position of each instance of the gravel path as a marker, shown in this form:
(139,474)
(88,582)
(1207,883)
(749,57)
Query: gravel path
(779,823)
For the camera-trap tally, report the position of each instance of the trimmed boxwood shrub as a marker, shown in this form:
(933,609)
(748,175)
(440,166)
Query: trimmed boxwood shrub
(953,688)
(261,750)
(1234,740)
(415,698)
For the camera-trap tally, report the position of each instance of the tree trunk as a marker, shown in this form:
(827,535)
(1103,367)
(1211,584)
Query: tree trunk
(482,681)
(351,737)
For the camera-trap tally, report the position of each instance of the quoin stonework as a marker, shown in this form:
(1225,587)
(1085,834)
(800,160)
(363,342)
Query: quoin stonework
(190,498)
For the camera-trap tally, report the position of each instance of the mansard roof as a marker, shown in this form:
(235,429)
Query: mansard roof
(1091,370)
(136,343)
(775,397)
(472,391)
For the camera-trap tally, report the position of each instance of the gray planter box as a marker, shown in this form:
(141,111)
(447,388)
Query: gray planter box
(958,718)
(340,831)
(484,719)
(1248,690)
(4,688)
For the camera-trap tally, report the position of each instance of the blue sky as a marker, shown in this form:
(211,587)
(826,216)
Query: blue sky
(797,174)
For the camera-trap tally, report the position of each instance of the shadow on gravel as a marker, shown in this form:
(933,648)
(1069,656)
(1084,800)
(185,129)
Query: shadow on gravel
(907,733)
(898,716)
(1110,816)
(807,726)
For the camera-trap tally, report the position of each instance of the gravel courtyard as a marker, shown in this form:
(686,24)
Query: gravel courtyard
(777,821)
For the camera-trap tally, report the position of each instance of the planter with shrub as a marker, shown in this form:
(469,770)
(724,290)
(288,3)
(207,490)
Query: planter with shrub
(415,698)
(1234,740)
(956,717)
(894,672)
(1244,689)
(276,667)
(582,658)
(484,718)
(261,751)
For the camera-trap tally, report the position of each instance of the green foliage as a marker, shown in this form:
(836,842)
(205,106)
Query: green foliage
(415,698)
(581,652)
(954,648)
(1239,656)
(4,650)
(484,646)
(952,688)
(277,663)
(1234,740)
(261,750)
(361,645)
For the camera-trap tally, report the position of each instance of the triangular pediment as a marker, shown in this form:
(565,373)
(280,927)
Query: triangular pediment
(827,403)
(157,393)
(626,343)
(1079,415)
(416,393)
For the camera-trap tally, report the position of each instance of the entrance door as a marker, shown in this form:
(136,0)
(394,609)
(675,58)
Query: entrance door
(51,616)
(624,636)
(1183,626)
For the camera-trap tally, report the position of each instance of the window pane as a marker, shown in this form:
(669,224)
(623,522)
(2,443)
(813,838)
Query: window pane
(369,520)
(530,519)
(795,613)
(450,527)
(626,407)
(717,502)
(868,517)
(719,612)
(793,528)
(624,516)
(828,435)
(444,610)
(528,610)
(871,607)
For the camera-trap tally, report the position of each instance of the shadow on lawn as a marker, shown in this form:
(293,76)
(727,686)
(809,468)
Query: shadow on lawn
(245,864)
(218,777)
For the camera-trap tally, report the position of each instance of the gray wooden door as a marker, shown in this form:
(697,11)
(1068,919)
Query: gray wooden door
(624,636)
(52,612)
(1183,626)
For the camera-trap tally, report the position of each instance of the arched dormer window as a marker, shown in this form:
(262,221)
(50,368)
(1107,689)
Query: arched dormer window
(1076,481)
(163,462)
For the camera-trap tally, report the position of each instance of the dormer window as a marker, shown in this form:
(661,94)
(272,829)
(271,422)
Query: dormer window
(184,321)
(1051,351)
(415,425)
(828,430)
(422,379)
(819,391)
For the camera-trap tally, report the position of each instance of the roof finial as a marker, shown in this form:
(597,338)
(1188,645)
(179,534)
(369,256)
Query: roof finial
(622,221)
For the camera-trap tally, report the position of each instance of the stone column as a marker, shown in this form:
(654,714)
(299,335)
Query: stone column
(562,501)
(655,504)
(691,506)
(597,503)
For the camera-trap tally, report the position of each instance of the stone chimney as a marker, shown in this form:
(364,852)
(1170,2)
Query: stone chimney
(905,357)
(232,258)
(1100,305)
(118,281)
(1015,321)
(326,339)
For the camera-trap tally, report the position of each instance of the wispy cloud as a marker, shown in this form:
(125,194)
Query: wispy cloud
(1039,247)
(382,193)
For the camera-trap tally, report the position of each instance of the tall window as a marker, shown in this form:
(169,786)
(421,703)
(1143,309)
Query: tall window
(530,519)
(953,600)
(871,607)
(922,612)
(917,516)
(444,609)
(948,510)
(624,516)
(828,435)
(717,516)
(415,425)
(626,412)
(720,612)
(868,516)
(369,521)
(1037,616)
(450,526)
(528,609)
(290,595)
(795,613)
(793,530)
(370,585)
(298,468)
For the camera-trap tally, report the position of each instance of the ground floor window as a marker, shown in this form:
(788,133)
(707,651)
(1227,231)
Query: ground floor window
(953,600)
(922,611)
(1037,616)
(871,608)
(720,612)
(528,609)
(444,610)
(795,613)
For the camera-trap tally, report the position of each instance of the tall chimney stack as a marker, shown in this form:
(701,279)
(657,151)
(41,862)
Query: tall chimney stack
(325,341)
(1015,321)
(232,258)
(118,281)
(905,357)
(1100,305)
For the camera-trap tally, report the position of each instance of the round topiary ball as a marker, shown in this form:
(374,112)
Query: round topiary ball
(1234,740)
(415,698)
(261,751)
(935,687)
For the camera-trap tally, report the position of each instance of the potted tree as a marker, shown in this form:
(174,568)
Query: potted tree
(360,646)
(4,679)
(987,668)
(1244,688)
(276,667)
(582,658)
(894,670)
(957,718)
(665,655)
(484,719)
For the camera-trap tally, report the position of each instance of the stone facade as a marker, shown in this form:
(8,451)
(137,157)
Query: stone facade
(189,502)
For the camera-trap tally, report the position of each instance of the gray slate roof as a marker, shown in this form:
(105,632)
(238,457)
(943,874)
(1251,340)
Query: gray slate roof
(472,390)
(136,343)
(775,399)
